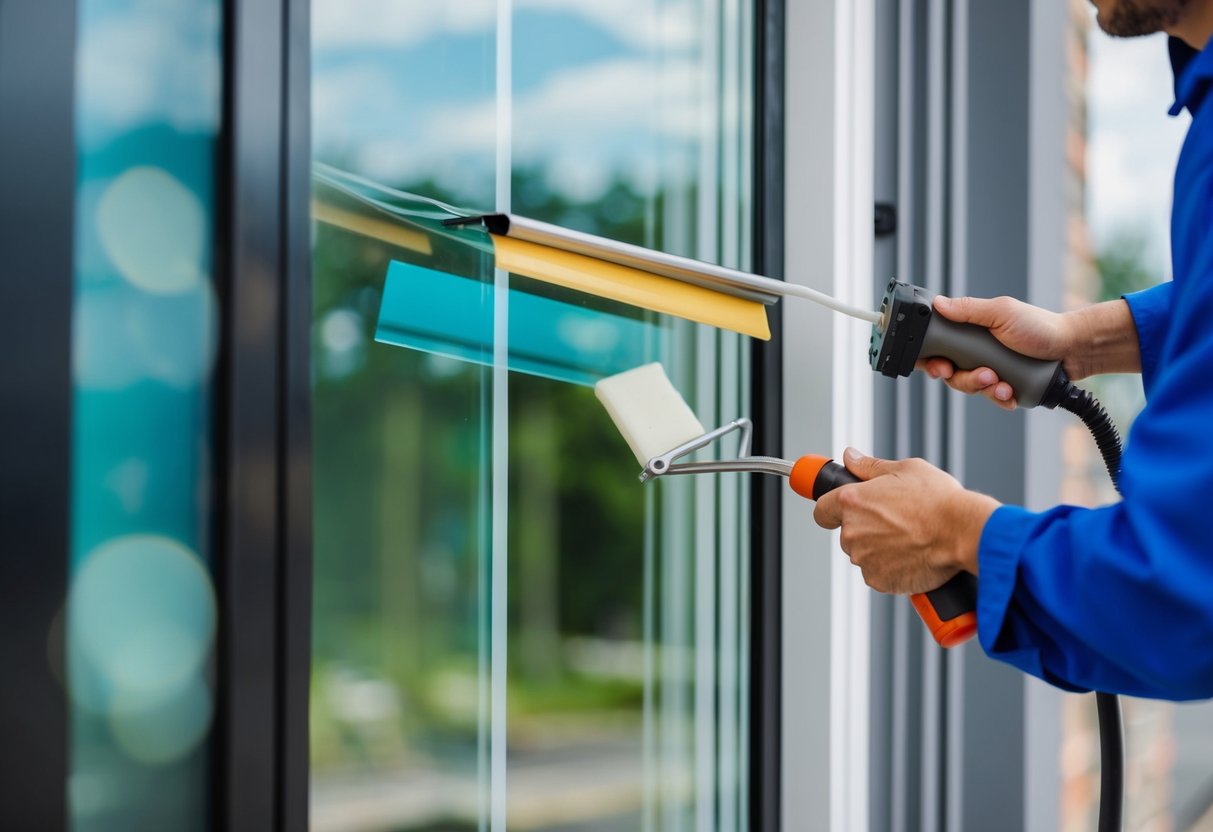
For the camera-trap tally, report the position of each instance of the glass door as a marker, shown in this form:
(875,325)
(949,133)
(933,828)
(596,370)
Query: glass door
(509,630)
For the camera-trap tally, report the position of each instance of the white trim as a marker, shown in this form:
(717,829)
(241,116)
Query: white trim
(936,233)
(852,400)
(958,215)
(829,246)
(1049,115)
(805,787)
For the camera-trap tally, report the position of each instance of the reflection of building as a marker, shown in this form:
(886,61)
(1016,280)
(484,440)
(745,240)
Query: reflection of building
(415,585)
(1079,749)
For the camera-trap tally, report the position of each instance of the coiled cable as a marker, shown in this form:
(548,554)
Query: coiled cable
(1086,407)
(1111,729)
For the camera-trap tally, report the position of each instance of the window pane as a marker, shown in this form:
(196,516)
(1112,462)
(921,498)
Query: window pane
(141,616)
(613,613)
(402,520)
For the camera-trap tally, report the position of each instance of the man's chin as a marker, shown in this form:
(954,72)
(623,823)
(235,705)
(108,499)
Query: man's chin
(1135,18)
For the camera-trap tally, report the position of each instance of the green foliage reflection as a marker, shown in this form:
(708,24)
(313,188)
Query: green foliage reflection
(402,523)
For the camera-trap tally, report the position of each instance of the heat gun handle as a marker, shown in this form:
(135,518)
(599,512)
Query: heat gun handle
(950,612)
(969,346)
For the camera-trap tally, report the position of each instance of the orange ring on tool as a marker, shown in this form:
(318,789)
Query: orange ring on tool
(804,474)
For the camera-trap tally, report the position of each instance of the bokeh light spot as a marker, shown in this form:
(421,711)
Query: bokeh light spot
(159,729)
(142,612)
(154,230)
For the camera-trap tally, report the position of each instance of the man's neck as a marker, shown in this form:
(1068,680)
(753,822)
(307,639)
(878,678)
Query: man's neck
(1195,27)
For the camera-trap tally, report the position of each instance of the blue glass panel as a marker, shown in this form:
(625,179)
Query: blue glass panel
(141,615)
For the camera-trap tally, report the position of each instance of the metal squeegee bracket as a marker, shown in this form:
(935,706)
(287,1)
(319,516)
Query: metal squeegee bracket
(664,465)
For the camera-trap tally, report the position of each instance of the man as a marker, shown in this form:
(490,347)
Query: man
(1117,598)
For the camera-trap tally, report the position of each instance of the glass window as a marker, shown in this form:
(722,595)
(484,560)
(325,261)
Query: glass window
(141,616)
(508,627)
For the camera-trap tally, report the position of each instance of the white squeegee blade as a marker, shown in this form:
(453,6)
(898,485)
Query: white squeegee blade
(648,411)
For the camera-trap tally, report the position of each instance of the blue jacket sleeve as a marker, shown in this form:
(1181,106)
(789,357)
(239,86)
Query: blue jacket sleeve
(1120,598)
(1150,309)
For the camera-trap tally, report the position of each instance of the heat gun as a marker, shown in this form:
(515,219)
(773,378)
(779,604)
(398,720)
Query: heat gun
(909,329)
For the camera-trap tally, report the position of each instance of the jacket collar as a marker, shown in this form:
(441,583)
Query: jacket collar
(1193,72)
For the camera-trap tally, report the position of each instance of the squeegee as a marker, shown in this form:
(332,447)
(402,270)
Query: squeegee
(905,329)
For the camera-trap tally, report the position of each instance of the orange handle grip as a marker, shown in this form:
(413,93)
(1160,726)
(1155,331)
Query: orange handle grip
(950,612)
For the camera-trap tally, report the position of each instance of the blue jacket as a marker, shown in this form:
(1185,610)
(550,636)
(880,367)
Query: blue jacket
(1120,598)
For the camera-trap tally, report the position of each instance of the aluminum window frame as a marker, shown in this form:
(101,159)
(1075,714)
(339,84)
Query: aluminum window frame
(828,184)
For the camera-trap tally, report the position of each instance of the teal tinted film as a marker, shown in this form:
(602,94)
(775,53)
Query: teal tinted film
(440,313)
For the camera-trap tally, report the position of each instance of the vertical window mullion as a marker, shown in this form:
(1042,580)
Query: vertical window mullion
(37,166)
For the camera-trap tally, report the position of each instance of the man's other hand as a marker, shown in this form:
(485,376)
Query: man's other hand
(909,527)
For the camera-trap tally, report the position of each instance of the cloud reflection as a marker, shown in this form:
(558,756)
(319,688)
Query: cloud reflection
(147,62)
(353,24)
(585,126)
(382,108)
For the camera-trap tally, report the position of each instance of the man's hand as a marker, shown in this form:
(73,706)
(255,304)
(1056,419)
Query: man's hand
(910,527)
(1027,329)
(1097,339)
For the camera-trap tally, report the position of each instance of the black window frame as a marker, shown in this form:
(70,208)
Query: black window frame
(766,401)
(263,422)
(37,222)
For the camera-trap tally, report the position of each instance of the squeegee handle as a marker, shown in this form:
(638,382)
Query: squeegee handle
(950,612)
(969,346)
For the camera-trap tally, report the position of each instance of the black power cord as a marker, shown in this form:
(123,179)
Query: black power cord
(1111,731)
